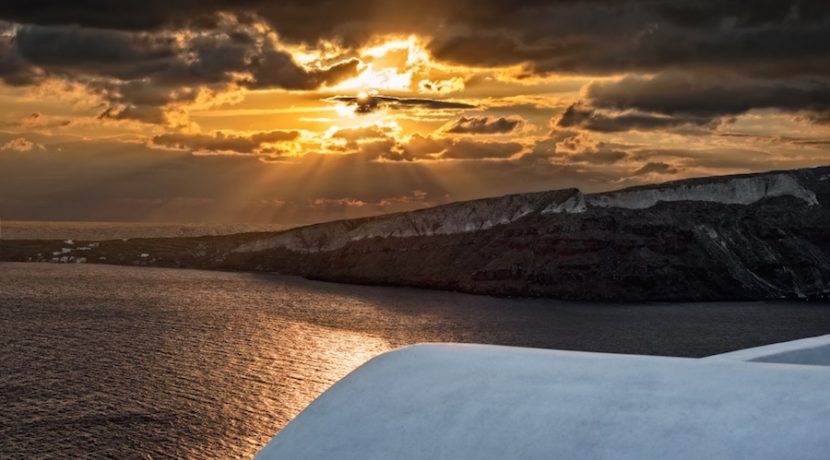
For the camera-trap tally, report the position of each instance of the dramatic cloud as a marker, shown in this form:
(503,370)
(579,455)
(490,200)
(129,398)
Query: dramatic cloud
(483,125)
(450,85)
(275,69)
(601,155)
(171,48)
(675,99)
(709,94)
(108,53)
(431,148)
(317,109)
(656,168)
(466,149)
(590,118)
(259,143)
(364,132)
(590,36)
(489,50)
(371,103)
(565,146)
(599,37)
(463,149)
(142,73)
(13,69)
(372,141)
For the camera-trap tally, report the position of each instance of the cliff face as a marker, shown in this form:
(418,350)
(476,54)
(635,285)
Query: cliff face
(760,236)
(730,190)
(463,217)
(735,237)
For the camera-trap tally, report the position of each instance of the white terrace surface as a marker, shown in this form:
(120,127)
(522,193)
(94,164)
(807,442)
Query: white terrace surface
(813,351)
(458,402)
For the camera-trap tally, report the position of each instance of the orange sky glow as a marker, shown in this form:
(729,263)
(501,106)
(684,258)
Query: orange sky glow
(248,120)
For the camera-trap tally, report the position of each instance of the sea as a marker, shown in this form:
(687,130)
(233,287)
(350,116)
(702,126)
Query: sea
(102,361)
(99,231)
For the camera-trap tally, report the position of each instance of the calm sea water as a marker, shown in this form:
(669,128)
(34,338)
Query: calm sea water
(32,230)
(120,362)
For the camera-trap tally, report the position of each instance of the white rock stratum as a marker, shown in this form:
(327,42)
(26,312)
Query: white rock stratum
(477,215)
(737,190)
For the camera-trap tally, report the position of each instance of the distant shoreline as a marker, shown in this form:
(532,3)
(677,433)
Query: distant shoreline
(102,230)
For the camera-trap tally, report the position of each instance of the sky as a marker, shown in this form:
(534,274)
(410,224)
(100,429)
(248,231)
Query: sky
(296,112)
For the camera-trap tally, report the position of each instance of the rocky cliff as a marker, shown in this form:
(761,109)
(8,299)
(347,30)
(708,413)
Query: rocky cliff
(757,236)
(734,237)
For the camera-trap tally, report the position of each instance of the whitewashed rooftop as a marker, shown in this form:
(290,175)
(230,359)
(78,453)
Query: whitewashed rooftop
(811,351)
(457,402)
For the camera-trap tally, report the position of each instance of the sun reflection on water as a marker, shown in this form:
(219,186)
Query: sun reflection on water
(303,361)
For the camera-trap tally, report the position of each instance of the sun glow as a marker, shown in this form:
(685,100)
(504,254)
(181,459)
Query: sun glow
(371,78)
(390,65)
(344,111)
(415,51)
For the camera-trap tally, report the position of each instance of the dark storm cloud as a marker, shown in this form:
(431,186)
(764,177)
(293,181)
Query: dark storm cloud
(484,125)
(140,72)
(372,103)
(675,99)
(124,15)
(709,94)
(277,69)
(590,36)
(490,50)
(75,52)
(119,54)
(586,117)
(13,69)
(225,143)
(297,20)
(602,37)
(768,53)
(211,57)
